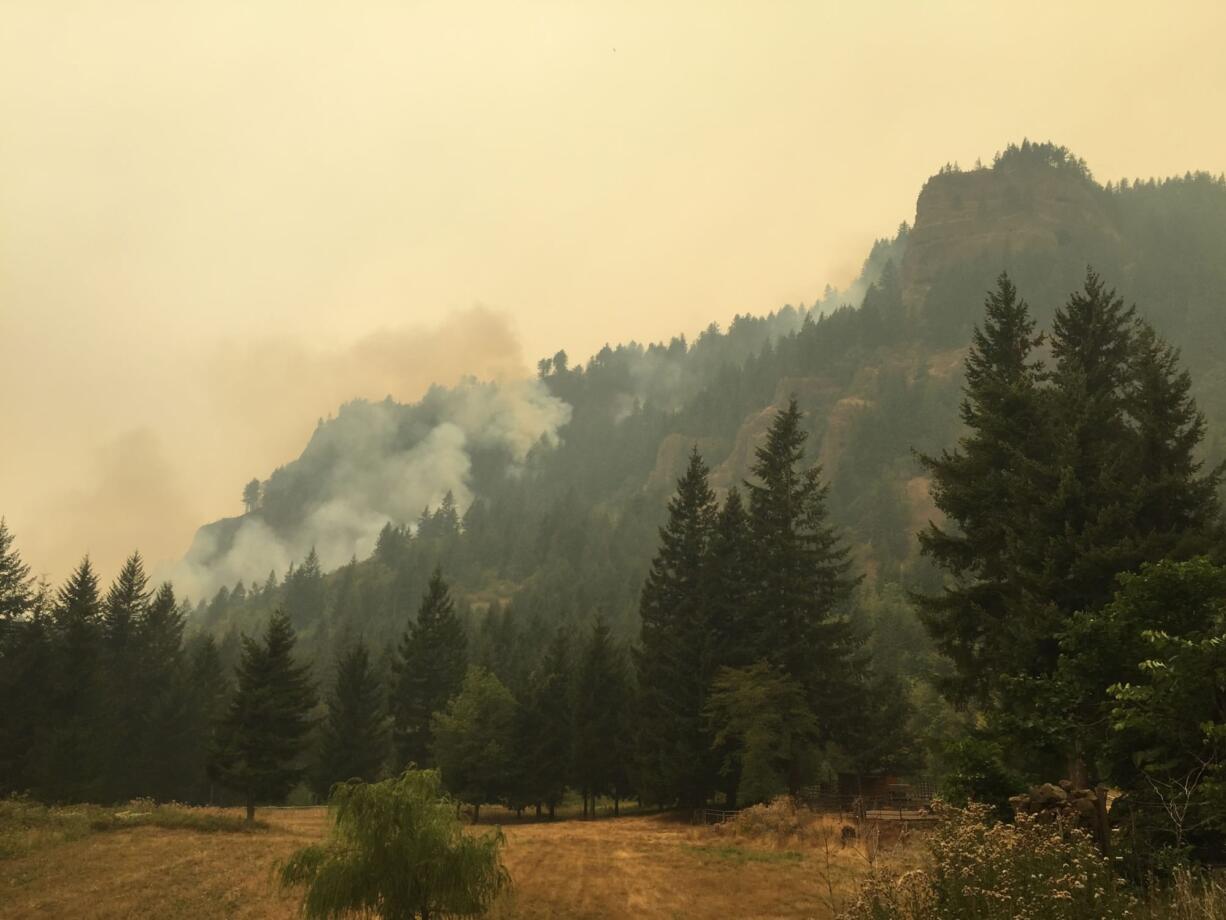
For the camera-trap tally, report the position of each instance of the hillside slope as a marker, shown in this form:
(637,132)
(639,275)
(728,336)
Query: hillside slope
(557,485)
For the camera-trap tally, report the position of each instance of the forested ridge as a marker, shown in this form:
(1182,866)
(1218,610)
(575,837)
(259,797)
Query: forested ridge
(567,531)
(898,527)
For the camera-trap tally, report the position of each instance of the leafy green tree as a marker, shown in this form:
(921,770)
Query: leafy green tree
(354,742)
(674,657)
(263,736)
(602,706)
(398,852)
(762,719)
(802,577)
(1164,721)
(474,738)
(429,670)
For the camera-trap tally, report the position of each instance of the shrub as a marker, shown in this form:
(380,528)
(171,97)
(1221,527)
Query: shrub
(975,772)
(397,850)
(981,869)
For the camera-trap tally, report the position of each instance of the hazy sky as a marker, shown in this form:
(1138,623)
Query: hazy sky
(220,219)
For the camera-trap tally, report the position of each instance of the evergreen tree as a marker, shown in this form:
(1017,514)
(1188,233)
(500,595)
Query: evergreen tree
(802,579)
(209,694)
(976,486)
(164,757)
(24,661)
(546,727)
(123,612)
(69,755)
(430,667)
(16,583)
(1175,507)
(674,658)
(730,575)
(263,735)
(602,700)
(304,592)
(252,493)
(354,743)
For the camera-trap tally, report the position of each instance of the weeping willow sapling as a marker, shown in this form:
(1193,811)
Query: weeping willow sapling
(397,851)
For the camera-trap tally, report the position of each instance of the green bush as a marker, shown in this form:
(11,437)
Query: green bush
(397,850)
(975,772)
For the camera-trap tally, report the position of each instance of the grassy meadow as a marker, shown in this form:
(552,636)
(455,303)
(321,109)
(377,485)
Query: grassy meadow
(201,864)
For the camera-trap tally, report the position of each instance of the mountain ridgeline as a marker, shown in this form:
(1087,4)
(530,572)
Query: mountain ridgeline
(543,499)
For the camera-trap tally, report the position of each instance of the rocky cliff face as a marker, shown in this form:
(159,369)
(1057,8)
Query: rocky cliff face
(994,214)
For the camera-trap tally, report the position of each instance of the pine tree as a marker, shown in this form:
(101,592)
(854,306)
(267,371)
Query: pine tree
(674,658)
(209,697)
(1175,506)
(123,664)
(304,592)
(263,735)
(165,753)
(802,575)
(429,670)
(69,755)
(602,700)
(546,727)
(976,486)
(730,577)
(24,654)
(354,742)
(16,583)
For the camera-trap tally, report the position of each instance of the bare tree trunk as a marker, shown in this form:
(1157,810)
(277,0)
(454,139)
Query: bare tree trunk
(250,808)
(476,813)
(538,809)
(552,810)
(616,807)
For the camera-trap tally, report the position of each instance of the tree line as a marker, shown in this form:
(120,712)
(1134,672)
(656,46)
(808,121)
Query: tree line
(745,605)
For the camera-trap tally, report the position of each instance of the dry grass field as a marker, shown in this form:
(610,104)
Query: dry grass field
(631,867)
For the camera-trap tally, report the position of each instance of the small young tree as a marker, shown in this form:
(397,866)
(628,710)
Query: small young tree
(398,852)
(262,737)
(474,740)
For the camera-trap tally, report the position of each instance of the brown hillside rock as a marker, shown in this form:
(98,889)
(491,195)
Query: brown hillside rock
(674,454)
(966,216)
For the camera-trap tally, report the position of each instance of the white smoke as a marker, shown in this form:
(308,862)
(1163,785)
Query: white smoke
(375,463)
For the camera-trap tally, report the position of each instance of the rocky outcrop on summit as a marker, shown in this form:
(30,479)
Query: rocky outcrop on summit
(993,214)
